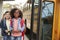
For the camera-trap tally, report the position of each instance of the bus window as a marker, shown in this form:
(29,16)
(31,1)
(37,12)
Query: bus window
(47,19)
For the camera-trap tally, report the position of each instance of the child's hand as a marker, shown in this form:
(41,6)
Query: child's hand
(16,31)
(6,31)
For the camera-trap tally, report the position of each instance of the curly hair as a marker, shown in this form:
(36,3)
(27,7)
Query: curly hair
(13,11)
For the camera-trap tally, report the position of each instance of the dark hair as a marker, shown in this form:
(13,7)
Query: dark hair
(5,14)
(13,11)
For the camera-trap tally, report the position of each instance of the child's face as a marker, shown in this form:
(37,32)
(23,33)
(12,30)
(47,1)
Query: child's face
(7,16)
(16,14)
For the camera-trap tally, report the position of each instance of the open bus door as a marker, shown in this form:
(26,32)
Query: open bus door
(42,20)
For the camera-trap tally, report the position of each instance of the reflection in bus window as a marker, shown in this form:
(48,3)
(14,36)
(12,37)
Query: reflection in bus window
(47,9)
(47,20)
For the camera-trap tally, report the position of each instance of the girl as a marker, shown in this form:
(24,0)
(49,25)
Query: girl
(17,25)
(5,26)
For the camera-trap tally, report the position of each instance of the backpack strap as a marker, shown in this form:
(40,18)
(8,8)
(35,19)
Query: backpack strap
(22,22)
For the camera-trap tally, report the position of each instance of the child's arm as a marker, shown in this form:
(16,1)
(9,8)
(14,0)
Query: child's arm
(23,27)
(11,28)
(2,25)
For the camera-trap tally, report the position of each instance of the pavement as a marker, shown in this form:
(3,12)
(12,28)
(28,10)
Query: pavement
(26,38)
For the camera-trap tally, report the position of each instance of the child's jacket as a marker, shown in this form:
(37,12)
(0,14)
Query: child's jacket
(20,26)
(3,27)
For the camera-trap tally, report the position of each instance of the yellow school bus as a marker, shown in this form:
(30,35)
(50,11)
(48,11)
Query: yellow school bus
(53,21)
(56,22)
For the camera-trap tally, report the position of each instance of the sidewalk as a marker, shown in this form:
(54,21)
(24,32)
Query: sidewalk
(26,38)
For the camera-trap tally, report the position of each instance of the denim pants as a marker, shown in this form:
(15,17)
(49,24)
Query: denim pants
(6,37)
(16,38)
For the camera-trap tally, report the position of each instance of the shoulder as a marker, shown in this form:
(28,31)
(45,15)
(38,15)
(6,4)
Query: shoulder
(12,19)
(22,20)
(2,20)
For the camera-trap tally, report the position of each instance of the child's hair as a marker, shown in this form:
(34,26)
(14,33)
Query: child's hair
(5,14)
(13,11)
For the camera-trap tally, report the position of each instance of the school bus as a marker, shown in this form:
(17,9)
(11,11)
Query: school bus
(50,29)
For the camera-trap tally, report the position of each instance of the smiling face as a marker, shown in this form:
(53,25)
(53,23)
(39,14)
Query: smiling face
(16,14)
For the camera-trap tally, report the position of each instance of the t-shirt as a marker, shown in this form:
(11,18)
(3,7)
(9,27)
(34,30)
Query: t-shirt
(8,24)
(15,28)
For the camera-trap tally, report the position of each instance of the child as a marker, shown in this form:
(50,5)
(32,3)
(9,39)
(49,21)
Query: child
(17,25)
(5,26)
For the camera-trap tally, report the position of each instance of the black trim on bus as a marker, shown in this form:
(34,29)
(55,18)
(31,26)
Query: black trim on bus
(32,18)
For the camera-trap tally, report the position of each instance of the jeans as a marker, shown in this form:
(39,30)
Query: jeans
(6,37)
(16,38)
